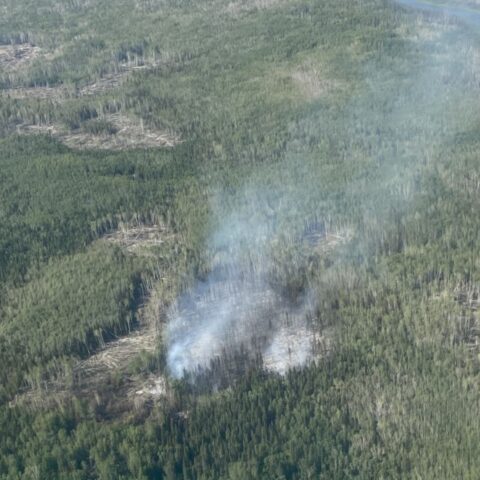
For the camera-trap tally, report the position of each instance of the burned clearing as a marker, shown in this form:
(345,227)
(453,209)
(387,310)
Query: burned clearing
(238,310)
(246,316)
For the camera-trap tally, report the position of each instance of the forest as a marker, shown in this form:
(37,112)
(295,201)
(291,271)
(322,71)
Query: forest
(239,239)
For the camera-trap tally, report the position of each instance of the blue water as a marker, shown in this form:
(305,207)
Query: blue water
(462,13)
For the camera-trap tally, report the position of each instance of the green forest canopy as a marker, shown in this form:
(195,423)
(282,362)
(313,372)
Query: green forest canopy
(363,112)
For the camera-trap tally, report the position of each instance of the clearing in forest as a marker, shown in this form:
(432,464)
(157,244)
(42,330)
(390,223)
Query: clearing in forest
(312,82)
(245,312)
(90,376)
(13,57)
(111,132)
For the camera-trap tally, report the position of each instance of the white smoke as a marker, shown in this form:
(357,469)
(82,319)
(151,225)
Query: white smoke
(238,305)
(226,313)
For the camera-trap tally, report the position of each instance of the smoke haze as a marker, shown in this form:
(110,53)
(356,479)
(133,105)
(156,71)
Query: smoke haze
(241,304)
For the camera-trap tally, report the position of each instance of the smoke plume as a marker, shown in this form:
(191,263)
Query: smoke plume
(253,298)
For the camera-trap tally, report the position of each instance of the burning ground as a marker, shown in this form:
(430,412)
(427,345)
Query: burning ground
(244,313)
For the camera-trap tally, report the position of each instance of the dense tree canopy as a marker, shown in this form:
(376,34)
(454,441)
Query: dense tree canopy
(305,117)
